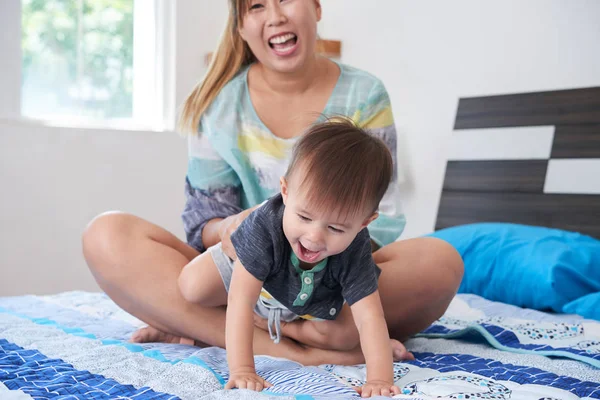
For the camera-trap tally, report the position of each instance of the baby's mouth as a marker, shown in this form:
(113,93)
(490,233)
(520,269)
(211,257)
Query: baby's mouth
(308,255)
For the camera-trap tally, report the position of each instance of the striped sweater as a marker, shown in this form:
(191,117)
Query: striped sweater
(235,161)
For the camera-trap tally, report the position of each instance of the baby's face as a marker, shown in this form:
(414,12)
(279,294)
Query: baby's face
(317,234)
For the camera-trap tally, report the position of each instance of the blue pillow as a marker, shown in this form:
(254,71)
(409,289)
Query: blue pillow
(529,266)
(588,306)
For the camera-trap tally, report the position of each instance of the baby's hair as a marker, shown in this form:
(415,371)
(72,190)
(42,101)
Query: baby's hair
(344,168)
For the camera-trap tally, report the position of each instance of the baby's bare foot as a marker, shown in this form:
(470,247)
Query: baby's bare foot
(399,352)
(150,334)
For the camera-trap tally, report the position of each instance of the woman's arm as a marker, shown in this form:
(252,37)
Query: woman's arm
(211,231)
(213,193)
(377,118)
(239,331)
(220,230)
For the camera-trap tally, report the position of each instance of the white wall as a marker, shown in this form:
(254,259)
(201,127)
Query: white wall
(199,27)
(429,53)
(55,180)
(10,67)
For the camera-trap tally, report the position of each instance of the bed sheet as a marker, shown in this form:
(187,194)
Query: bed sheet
(75,345)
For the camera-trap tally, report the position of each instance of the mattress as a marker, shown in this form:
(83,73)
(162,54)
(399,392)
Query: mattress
(74,345)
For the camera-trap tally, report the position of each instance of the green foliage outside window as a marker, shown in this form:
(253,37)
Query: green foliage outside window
(77,58)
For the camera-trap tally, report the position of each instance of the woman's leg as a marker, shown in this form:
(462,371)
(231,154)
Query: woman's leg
(419,279)
(138,264)
(339,334)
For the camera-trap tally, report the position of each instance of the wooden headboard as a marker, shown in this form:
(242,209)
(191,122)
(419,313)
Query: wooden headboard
(541,165)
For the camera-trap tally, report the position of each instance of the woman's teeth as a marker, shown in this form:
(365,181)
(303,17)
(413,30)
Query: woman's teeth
(282,38)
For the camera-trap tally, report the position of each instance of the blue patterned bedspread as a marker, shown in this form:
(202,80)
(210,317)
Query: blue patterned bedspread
(74,346)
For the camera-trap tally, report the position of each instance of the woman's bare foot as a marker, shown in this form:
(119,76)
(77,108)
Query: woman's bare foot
(149,334)
(399,352)
(263,324)
(260,322)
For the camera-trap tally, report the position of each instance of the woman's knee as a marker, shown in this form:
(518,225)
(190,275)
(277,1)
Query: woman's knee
(105,238)
(430,254)
(443,255)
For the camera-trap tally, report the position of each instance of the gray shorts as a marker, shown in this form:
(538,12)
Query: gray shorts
(266,307)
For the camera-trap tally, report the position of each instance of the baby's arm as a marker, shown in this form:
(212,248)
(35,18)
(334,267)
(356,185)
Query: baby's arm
(239,331)
(375,343)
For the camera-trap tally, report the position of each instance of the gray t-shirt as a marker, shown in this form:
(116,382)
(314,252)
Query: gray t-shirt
(264,251)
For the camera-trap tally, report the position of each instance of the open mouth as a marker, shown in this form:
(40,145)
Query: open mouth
(307,255)
(284,43)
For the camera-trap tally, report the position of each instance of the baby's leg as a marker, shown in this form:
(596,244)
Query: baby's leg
(200,282)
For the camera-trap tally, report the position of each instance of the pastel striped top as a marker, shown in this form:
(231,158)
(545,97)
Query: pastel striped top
(235,162)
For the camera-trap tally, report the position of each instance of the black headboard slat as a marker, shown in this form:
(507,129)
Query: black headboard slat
(576,141)
(496,176)
(579,213)
(575,106)
(513,190)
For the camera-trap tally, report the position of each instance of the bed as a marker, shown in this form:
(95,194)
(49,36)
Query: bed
(74,345)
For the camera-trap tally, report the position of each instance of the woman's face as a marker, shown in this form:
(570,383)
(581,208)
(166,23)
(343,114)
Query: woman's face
(282,34)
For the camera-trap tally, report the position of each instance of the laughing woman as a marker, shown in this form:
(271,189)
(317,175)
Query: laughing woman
(266,85)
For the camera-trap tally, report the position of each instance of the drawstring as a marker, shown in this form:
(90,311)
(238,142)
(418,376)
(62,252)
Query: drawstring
(275,317)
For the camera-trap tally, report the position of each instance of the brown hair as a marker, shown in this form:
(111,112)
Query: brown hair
(344,167)
(232,54)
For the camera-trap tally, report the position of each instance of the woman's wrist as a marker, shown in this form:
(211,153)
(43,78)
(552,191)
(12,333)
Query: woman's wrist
(211,232)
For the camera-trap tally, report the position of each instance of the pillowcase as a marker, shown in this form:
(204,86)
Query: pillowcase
(529,266)
(588,306)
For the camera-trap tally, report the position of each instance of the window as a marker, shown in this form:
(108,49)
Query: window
(92,60)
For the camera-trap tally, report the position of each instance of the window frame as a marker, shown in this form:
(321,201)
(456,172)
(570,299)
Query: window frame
(153,87)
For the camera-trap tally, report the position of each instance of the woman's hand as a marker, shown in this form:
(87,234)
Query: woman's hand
(377,388)
(227,227)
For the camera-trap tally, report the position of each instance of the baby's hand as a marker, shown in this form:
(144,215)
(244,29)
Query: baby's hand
(247,380)
(377,388)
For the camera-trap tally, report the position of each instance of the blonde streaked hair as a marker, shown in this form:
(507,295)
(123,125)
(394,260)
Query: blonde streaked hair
(232,54)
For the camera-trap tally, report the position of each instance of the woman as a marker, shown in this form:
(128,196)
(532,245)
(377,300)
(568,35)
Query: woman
(265,86)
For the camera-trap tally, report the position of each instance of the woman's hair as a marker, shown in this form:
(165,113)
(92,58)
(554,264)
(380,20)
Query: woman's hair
(231,55)
(344,168)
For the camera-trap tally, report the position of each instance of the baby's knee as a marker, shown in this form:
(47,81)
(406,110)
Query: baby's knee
(190,289)
(200,284)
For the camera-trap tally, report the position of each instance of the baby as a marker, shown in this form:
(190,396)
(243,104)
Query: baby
(305,256)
